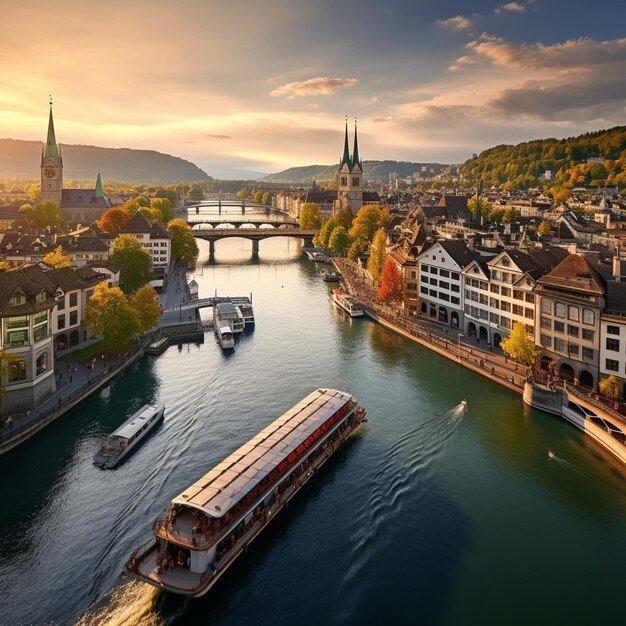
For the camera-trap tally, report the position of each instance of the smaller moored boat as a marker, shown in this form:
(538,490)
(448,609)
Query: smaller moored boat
(128,435)
(331,277)
(318,257)
(347,303)
(247,312)
(158,347)
(225,337)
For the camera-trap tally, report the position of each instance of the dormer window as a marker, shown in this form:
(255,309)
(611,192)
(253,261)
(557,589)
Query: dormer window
(42,296)
(18,299)
(505,261)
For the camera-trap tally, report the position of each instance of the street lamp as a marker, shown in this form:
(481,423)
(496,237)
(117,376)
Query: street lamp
(461,335)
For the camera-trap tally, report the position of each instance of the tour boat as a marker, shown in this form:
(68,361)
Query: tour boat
(225,337)
(214,520)
(226,313)
(128,435)
(347,303)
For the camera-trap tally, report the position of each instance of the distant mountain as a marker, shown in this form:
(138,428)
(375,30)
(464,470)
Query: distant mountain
(595,159)
(21,159)
(374,171)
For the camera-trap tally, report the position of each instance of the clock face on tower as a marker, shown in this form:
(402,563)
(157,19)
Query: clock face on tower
(49,171)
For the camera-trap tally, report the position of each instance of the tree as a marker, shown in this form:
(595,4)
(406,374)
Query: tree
(520,345)
(323,237)
(154,215)
(310,216)
(109,314)
(184,246)
(377,255)
(369,219)
(391,287)
(145,302)
(609,387)
(113,220)
(544,229)
(57,258)
(356,249)
(164,207)
(339,240)
(345,217)
(133,261)
(34,192)
(47,214)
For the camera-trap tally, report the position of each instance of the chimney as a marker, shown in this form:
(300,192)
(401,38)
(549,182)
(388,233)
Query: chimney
(619,269)
(572,249)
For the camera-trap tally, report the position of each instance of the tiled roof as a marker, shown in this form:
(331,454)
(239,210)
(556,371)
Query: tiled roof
(82,198)
(458,250)
(138,223)
(72,278)
(158,231)
(29,280)
(575,272)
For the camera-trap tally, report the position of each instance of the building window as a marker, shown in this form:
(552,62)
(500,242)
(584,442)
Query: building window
(530,297)
(424,279)
(588,354)
(413,274)
(424,290)
(495,289)
(546,323)
(74,299)
(612,330)
(444,273)
(612,344)
(17,370)
(559,345)
(484,285)
(444,296)
(73,318)
(573,331)
(573,349)
(425,268)
(17,299)
(530,314)
(517,294)
(546,341)
(344,181)
(41,365)
(505,306)
(61,322)
(61,303)
(433,293)
(588,334)
(455,288)
(455,276)
(518,310)
(572,313)
(546,306)
(433,270)
(611,365)
(455,300)
(444,285)
(506,292)
(433,281)
(559,309)
(588,317)
(559,327)
(40,326)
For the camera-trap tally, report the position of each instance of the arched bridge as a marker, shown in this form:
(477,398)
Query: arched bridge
(215,221)
(253,234)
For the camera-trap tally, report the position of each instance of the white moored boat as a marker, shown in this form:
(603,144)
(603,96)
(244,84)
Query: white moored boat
(247,312)
(225,337)
(347,303)
(213,521)
(128,435)
(226,313)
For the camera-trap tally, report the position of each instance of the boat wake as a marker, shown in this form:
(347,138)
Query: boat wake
(405,468)
(553,457)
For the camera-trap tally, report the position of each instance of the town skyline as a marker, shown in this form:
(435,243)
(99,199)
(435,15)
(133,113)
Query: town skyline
(426,83)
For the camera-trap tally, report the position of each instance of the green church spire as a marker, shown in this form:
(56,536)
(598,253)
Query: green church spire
(346,150)
(99,192)
(51,150)
(355,152)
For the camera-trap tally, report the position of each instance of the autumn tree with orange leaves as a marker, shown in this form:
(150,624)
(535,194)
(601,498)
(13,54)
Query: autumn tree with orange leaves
(391,285)
(113,220)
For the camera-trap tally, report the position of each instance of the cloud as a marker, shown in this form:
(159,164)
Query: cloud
(515,7)
(220,137)
(320,86)
(459,22)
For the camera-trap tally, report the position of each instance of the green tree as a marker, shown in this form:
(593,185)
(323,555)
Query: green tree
(195,192)
(323,237)
(544,228)
(310,216)
(172,196)
(356,249)
(184,246)
(154,215)
(145,302)
(109,314)
(47,214)
(609,387)
(339,240)
(57,258)
(345,217)
(113,220)
(486,209)
(520,345)
(164,207)
(133,261)
(391,286)
(377,255)
(369,219)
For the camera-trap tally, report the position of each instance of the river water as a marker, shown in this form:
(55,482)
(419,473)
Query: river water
(427,515)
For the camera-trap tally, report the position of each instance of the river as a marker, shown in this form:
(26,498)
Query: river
(427,515)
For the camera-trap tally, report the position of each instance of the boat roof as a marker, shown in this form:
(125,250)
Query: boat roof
(134,423)
(226,329)
(226,308)
(229,481)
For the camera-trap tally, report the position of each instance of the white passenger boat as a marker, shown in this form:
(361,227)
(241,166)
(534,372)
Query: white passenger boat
(347,303)
(226,313)
(128,435)
(214,520)
(225,336)
(319,257)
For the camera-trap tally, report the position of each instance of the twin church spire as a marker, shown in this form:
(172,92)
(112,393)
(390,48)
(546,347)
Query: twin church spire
(351,160)
(51,151)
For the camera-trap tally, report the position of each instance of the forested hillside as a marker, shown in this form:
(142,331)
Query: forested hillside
(512,167)
(21,159)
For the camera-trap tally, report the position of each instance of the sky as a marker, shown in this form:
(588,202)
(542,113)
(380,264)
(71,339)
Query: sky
(262,85)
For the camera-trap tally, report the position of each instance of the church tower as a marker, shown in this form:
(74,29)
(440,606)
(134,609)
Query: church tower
(350,176)
(51,167)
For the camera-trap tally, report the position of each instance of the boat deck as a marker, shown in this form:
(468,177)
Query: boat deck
(178,578)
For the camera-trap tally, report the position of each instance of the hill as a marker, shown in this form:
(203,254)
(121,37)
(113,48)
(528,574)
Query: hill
(592,159)
(374,171)
(20,159)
